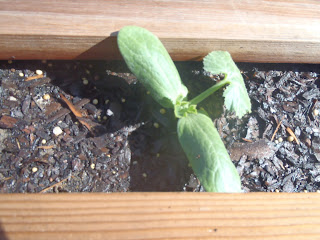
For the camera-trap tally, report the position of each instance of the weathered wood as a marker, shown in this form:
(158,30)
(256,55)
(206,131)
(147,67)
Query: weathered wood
(252,30)
(160,216)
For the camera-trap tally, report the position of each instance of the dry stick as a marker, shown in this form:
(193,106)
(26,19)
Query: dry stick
(76,112)
(274,134)
(292,134)
(34,77)
(247,140)
(46,147)
(54,185)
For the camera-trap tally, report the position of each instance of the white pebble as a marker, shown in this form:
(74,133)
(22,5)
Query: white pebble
(44,141)
(21,74)
(57,131)
(11,98)
(46,96)
(144,175)
(95,101)
(290,138)
(316,112)
(280,139)
(106,101)
(123,100)
(109,112)
(34,169)
(156,125)
(93,166)
(85,81)
(39,72)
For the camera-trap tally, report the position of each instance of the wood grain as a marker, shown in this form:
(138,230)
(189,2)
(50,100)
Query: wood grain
(160,216)
(251,30)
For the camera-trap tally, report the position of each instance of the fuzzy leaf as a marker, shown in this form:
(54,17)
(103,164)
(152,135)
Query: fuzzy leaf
(150,62)
(235,95)
(209,159)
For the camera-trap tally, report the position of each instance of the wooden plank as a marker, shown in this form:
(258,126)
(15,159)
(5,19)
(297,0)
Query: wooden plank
(251,30)
(160,216)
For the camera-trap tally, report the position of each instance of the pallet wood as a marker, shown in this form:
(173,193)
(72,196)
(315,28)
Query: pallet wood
(252,30)
(160,216)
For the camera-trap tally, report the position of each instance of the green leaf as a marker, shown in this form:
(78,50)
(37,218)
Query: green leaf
(209,159)
(150,62)
(236,96)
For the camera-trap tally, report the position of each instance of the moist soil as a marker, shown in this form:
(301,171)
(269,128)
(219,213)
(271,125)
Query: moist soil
(91,127)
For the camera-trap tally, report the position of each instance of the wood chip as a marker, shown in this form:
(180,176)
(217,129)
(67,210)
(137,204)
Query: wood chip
(7,122)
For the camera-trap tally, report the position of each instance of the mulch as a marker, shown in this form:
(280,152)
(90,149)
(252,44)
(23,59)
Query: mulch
(91,127)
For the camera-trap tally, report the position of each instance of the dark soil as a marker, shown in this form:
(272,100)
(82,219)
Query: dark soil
(114,139)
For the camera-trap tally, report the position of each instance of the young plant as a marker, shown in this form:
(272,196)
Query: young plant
(147,58)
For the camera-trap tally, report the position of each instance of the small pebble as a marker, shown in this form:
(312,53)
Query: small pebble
(134,163)
(276,141)
(12,70)
(105,118)
(277,190)
(315,112)
(92,166)
(305,191)
(50,64)
(44,141)
(280,139)
(318,191)
(87,71)
(57,131)
(158,155)
(109,112)
(162,111)
(39,72)
(85,81)
(11,98)
(46,96)
(106,101)
(144,175)
(34,169)
(95,101)
(156,125)
(148,92)
(123,100)
(21,74)
(290,138)
(44,61)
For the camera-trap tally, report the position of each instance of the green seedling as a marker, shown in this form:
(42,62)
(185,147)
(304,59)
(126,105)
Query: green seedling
(147,58)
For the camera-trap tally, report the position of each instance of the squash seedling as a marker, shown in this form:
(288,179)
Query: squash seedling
(150,62)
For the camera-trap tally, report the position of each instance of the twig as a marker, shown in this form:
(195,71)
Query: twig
(275,132)
(54,185)
(33,77)
(46,147)
(247,140)
(292,134)
(74,110)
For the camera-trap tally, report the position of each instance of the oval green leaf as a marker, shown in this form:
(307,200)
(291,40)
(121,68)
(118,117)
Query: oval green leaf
(209,159)
(150,62)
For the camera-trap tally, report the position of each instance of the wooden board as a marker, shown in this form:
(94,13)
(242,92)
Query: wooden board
(160,216)
(251,30)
